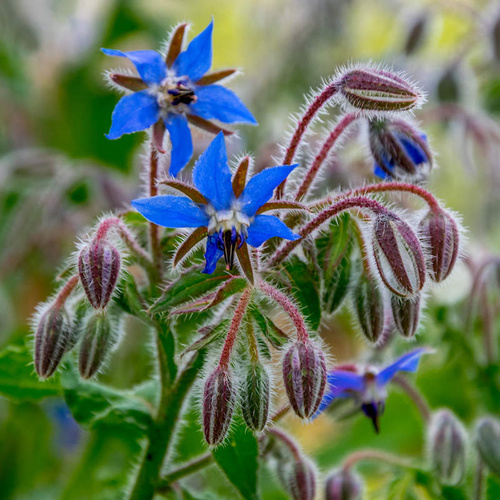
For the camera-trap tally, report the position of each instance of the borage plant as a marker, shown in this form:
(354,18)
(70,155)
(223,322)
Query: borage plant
(293,255)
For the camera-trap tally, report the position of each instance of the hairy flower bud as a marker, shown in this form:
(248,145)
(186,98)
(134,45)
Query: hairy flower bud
(304,374)
(53,335)
(218,404)
(98,340)
(255,397)
(370,308)
(298,477)
(488,443)
(343,485)
(406,314)
(400,151)
(98,267)
(442,234)
(398,255)
(372,89)
(447,441)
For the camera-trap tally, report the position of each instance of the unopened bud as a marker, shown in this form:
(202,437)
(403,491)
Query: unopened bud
(343,485)
(304,374)
(488,443)
(255,397)
(447,447)
(53,335)
(298,477)
(416,33)
(98,267)
(400,151)
(370,308)
(443,237)
(398,255)
(98,340)
(406,314)
(218,404)
(371,89)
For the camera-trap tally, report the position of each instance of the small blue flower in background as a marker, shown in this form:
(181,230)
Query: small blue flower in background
(369,388)
(173,90)
(231,221)
(68,433)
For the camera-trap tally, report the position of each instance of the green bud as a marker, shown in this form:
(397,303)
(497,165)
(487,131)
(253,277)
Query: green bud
(488,443)
(255,397)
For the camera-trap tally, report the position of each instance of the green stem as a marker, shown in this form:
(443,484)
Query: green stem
(377,455)
(185,470)
(479,480)
(414,395)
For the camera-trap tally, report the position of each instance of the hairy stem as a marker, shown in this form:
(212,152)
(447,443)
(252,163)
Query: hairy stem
(154,230)
(479,480)
(414,395)
(378,455)
(66,290)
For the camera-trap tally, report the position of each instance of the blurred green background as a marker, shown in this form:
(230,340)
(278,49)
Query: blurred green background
(58,173)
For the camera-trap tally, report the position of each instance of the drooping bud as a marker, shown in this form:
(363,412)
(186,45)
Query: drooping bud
(398,255)
(443,236)
(98,340)
(298,477)
(406,314)
(416,32)
(370,308)
(377,90)
(304,375)
(447,440)
(400,151)
(343,485)
(488,443)
(53,335)
(218,405)
(255,397)
(98,267)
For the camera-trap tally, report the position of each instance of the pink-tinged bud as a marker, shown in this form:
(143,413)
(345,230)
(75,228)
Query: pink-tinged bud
(255,397)
(98,267)
(398,255)
(406,314)
(97,342)
(343,485)
(376,90)
(370,308)
(488,443)
(218,405)
(53,336)
(304,375)
(443,237)
(298,477)
(447,443)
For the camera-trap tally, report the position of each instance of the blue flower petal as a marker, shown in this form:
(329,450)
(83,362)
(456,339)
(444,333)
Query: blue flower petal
(182,144)
(196,60)
(379,172)
(133,113)
(260,188)
(406,363)
(268,226)
(150,65)
(219,103)
(212,254)
(171,211)
(212,177)
(415,152)
(339,383)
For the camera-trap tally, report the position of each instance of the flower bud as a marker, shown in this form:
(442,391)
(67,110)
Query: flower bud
(369,307)
(255,397)
(406,314)
(343,485)
(98,267)
(218,404)
(53,335)
(447,441)
(400,151)
(97,342)
(416,33)
(298,477)
(398,255)
(304,375)
(488,443)
(442,234)
(372,89)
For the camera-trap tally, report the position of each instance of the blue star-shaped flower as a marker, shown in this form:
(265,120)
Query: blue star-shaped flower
(231,221)
(173,90)
(368,388)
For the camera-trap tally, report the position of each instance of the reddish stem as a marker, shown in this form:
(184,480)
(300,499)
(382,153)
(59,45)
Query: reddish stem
(233,328)
(66,291)
(322,155)
(288,441)
(288,307)
(153,228)
(328,92)
(378,455)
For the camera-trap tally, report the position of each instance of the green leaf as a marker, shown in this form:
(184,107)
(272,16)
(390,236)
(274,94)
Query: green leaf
(238,459)
(210,334)
(455,493)
(276,337)
(18,380)
(230,287)
(492,488)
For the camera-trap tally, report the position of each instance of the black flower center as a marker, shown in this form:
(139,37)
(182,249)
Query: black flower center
(181,94)
(228,241)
